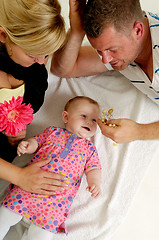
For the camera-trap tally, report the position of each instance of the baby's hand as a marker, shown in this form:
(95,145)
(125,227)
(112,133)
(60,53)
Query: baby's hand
(95,190)
(22,147)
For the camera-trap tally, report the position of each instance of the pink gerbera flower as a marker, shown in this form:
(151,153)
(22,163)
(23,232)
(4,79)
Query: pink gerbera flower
(14,116)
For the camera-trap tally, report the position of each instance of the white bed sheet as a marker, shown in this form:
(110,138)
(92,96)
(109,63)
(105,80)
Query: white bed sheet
(123,166)
(142,219)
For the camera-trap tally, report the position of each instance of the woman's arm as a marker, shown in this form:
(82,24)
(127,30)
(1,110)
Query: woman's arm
(14,140)
(32,178)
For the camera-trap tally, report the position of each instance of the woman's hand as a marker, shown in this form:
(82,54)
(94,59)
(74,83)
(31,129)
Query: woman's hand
(33,179)
(14,140)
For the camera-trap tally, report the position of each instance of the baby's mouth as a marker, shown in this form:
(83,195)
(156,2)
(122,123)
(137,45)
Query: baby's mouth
(87,128)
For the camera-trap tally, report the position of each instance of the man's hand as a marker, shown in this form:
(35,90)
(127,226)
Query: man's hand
(121,130)
(75,19)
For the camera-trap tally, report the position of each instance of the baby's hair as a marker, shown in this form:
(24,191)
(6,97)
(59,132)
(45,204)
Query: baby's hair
(72,100)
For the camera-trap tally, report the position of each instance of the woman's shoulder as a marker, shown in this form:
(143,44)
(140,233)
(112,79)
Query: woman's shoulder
(6,94)
(8,81)
(4,80)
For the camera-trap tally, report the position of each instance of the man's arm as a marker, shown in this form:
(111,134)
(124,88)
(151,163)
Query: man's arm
(72,60)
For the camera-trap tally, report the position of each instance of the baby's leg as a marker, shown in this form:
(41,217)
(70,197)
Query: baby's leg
(7,219)
(34,233)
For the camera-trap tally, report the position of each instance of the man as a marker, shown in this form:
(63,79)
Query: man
(126,39)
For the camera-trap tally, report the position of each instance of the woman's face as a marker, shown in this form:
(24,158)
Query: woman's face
(19,56)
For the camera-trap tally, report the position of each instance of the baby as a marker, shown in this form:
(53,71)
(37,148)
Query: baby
(70,154)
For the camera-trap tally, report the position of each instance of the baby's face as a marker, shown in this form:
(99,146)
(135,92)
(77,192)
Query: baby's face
(82,118)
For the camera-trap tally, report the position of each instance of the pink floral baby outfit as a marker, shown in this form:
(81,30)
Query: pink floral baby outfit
(70,156)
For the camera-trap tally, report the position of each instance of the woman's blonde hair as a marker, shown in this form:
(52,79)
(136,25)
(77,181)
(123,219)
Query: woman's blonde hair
(34,25)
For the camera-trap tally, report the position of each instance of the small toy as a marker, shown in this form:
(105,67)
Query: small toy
(115,144)
(107,116)
(103,117)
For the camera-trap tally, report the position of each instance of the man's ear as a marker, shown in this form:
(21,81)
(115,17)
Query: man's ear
(3,35)
(65,116)
(138,30)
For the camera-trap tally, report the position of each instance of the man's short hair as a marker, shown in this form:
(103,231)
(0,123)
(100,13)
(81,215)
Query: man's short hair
(98,14)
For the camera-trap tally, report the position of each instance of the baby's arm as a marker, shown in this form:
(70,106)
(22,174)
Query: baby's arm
(94,180)
(28,146)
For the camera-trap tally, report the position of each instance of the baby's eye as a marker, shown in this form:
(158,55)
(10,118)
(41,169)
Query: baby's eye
(83,115)
(94,120)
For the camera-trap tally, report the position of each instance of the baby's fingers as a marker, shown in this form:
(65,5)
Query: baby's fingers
(94,190)
(22,148)
(90,188)
(96,195)
(18,152)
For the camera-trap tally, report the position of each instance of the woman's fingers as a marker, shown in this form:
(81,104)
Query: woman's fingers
(36,180)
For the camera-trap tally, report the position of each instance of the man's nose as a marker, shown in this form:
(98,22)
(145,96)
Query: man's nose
(106,56)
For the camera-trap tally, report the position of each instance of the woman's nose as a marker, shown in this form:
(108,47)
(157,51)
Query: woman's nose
(40,60)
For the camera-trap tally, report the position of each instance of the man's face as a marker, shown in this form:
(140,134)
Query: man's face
(117,48)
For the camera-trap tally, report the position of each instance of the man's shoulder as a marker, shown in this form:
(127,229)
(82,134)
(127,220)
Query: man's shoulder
(154,16)
(153,19)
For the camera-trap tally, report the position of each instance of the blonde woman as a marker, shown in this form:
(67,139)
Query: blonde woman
(30,30)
